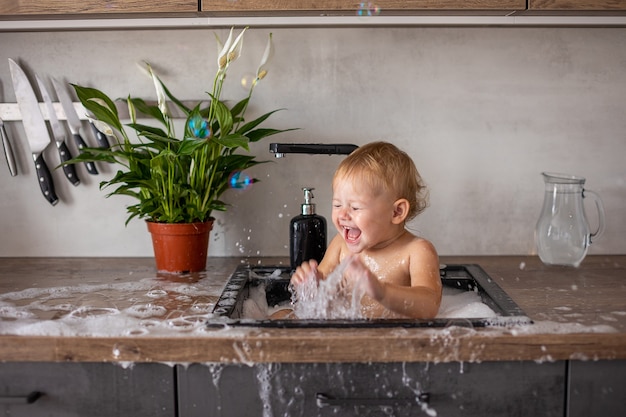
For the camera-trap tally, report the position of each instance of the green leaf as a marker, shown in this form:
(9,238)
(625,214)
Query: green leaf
(258,134)
(224,118)
(239,107)
(145,130)
(233,140)
(189,146)
(176,101)
(153,111)
(251,125)
(91,99)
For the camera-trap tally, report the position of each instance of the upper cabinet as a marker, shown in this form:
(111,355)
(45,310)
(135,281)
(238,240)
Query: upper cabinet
(352,7)
(77,10)
(577,5)
(69,7)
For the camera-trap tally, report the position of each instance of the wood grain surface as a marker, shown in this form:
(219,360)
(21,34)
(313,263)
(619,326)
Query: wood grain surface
(578,314)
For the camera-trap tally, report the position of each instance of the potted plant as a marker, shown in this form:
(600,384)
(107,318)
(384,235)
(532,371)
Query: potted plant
(178,181)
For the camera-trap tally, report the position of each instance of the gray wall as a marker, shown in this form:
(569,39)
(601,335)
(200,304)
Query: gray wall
(483,111)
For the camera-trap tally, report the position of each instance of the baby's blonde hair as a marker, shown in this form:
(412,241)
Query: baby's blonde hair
(385,167)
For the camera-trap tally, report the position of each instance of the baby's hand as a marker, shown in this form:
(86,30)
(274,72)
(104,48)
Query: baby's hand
(363,278)
(306,271)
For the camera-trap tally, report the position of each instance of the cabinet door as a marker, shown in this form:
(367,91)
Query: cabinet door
(597,388)
(86,389)
(67,7)
(351,7)
(577,5)
(451,389)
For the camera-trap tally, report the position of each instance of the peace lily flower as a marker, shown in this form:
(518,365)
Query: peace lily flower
(230,50)
(261,72)
(180,179)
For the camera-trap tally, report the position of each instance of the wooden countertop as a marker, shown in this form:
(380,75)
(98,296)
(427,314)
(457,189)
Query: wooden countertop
(578,313)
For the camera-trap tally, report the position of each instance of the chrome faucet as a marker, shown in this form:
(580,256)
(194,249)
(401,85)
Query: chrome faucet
(280,149)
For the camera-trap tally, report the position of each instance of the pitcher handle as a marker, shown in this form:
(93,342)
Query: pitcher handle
(600,208)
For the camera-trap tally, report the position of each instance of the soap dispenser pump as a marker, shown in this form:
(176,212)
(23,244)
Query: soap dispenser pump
(307,233)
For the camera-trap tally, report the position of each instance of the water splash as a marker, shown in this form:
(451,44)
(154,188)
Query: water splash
(328,298)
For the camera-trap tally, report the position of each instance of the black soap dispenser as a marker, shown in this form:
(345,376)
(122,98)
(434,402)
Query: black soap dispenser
(307,233)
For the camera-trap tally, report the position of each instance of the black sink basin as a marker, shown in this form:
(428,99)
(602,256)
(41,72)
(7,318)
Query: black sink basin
(469,277)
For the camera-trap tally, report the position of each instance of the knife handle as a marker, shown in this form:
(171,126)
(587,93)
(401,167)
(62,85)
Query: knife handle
(8,151)
(45,179)
(80,143)
(69,170)
(100,137)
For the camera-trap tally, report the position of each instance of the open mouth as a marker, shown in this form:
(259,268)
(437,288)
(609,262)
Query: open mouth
(351,234)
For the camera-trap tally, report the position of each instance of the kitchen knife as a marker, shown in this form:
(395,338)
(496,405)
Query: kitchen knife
(103,142)
(35,128)
(73,121)
(59,134)
(8,150)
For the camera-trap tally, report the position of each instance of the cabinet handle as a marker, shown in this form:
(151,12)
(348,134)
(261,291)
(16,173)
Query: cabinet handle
(325,400)
(26,399)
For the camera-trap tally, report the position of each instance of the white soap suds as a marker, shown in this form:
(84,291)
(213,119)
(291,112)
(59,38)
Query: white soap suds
(145,307)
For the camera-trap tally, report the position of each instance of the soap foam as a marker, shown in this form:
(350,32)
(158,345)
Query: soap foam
(145,307)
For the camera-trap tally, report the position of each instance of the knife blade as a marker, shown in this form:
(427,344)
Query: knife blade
(8,150)
(73,121)
(59,134)
(35,128)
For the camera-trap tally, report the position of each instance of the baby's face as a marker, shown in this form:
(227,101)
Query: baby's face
(362,217)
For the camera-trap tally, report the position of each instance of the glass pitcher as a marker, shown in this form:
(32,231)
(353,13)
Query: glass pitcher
(562,233)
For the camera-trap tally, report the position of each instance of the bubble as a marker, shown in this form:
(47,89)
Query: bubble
(199,127)
(146,310)
(239,180)
(156,293)
(149,323)
(180,323)
(194,319)
(87,311)
(367,9)
(201,307)
(136,332)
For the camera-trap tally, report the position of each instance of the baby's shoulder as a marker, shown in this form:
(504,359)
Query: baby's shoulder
(419,246)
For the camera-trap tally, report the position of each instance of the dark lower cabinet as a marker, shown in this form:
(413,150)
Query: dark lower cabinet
(597,388)
(33,389)
(380,389)
(563,389)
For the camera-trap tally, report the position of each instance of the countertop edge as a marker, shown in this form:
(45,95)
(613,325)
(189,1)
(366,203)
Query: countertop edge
(297,347)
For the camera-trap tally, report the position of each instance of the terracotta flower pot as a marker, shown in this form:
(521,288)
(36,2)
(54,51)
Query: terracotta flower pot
(180,247)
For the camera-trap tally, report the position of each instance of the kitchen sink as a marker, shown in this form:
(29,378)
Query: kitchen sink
(275,281)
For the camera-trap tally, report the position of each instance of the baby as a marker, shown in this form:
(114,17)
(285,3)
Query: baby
(376,190)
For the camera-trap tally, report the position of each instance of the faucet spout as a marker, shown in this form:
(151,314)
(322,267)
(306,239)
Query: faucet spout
(280,149)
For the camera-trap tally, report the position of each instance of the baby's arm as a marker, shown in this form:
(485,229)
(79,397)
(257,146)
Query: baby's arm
(422,299)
